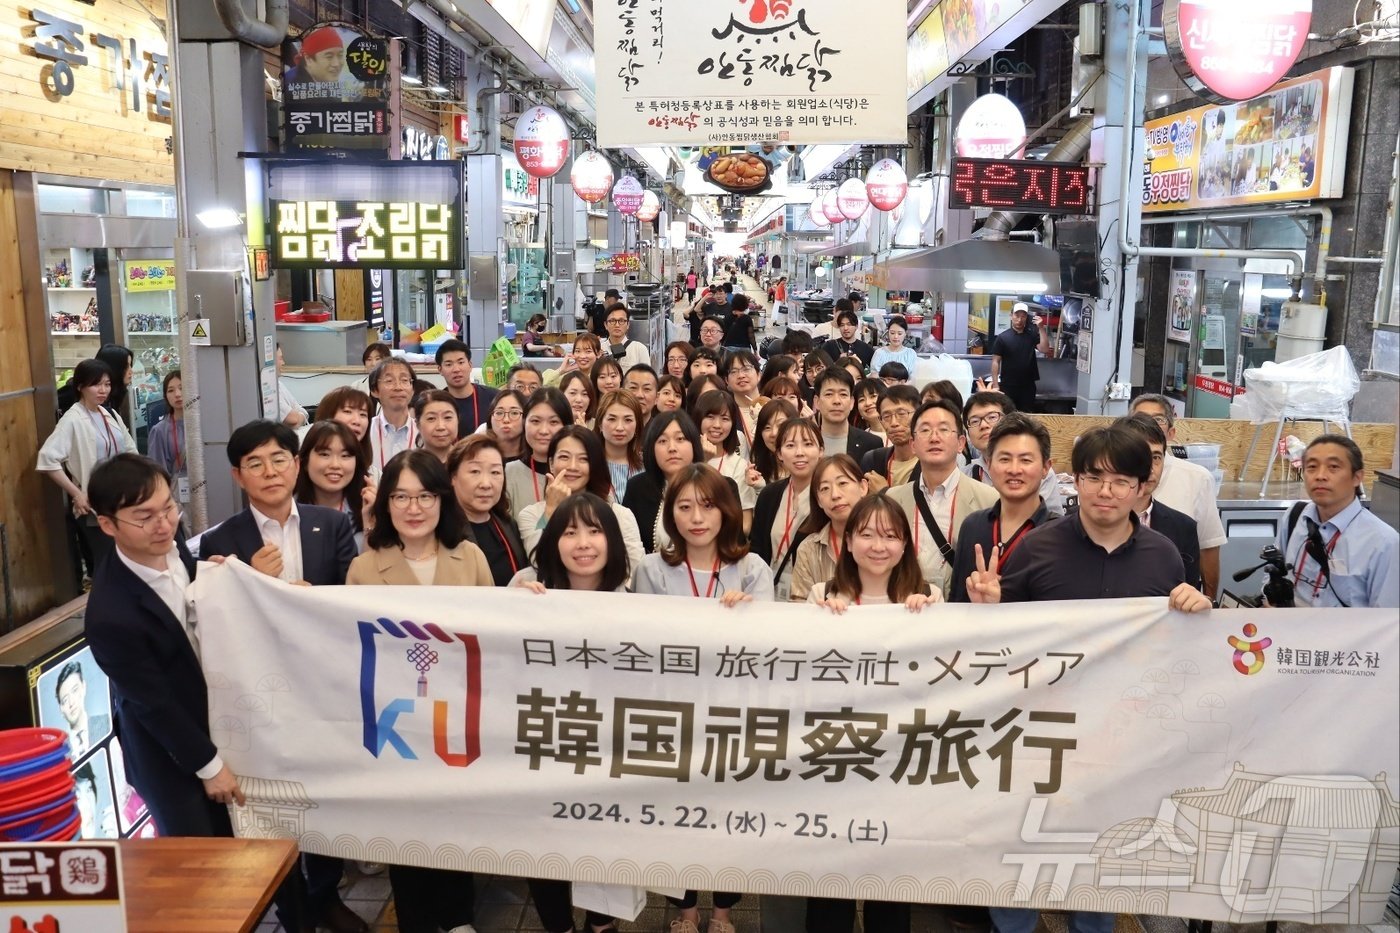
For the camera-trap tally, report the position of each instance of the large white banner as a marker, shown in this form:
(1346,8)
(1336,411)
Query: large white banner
(783,71)
(1099,755)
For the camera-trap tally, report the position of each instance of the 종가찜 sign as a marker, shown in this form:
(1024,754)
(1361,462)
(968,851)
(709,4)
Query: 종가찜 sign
(1225,50)
(335,89)
(1287,145)
(790,71)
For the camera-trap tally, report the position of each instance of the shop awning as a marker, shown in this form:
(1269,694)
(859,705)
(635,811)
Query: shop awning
(813,247)
(859,248)
(973,265)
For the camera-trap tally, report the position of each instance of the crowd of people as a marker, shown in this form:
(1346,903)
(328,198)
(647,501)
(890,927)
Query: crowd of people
(708,474)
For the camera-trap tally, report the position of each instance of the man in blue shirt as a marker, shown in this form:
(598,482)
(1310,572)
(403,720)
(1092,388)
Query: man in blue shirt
(1341,554)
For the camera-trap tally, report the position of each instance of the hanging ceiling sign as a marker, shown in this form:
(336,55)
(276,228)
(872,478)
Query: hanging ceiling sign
(992,128)
(335,90)
(1022,185)
(1287,145)
(650,209)
(591,176)
(787,71)
(831,207)
(1226,50)
(816,215)
(541,141)
(852,199)
(628,195)
(519,189)
(886,184)
(384,215)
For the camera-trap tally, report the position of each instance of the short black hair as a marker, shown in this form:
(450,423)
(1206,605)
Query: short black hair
(123,481)
(999,399)
(1144,426)
(71,669)
(713,319)
(842,305)
(901,393)
(941,404)
(659,423)
(943,389)
(739,303)
(1358,462)
(520,368)
(249,437)
(895,370)
(588,509)
(384,365)
(452,522)
(739,358)
(834,374)
(618,307)
(845,314)
(90,373)
(1116,449)
(1016,424)
(452,345)
(643,369)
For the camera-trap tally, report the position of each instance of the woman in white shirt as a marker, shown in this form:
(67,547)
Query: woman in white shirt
(85,436)
(878,565)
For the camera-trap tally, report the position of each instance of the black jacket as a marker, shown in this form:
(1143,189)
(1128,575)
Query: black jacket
(1180,529)
(836,347)
(860,442)
(765,516)
(327,543)
(643,499)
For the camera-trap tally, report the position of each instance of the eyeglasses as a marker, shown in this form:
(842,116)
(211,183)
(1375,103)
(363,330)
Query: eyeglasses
(617,320)
(942,430)
(509,414)
(746,368)
(1119,486)
(425,500)
(1163,420)
(171,514)
(989,419)
(278,462)
(897,415)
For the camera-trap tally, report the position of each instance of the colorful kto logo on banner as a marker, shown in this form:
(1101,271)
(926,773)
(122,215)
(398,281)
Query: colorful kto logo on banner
(1249,655)
(149,275)
(393,702)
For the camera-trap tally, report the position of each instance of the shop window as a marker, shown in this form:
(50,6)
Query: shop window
(150,204)
(1223,236)
(1282,232)
(68,199)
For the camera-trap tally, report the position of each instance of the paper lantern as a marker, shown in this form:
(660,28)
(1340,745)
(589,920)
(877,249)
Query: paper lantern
(816,215)
(1227,51)
(651,207)
(592,176)
(628,195)
(851,199)
(541,142)
(992,128)
(886,185)
(832,208)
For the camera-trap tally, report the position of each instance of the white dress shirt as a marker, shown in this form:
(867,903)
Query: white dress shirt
(1190,488)
(287,538)
(385,441)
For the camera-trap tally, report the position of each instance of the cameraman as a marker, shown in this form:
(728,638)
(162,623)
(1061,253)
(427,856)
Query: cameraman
(1341,554)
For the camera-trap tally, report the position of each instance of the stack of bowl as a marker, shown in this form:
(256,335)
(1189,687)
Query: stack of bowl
(37,800)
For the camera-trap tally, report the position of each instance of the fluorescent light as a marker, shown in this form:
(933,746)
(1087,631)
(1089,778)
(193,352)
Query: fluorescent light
(411,79)
(219,218)
(1277,293)
(438,89)
(1162,100)
(1008,287)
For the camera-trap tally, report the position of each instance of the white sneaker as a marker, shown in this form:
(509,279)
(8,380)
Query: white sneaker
(464,928)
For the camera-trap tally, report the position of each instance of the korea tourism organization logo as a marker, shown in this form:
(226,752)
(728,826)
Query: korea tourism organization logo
(411,678)
(1249,655)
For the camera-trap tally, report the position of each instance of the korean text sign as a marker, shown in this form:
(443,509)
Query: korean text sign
(790,71)
(1104,756)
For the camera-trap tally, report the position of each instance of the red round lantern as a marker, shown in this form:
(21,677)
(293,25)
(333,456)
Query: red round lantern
(592,176)
(628,195)
(831,207)
(886,185)
(851,199)
(1227,51)
(651,207)
(541,142)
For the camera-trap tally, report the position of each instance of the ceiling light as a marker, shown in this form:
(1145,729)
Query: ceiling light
(411,79)
(1006,286)
(219,218)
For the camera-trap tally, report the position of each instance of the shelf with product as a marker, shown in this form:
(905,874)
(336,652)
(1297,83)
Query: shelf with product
(148,326)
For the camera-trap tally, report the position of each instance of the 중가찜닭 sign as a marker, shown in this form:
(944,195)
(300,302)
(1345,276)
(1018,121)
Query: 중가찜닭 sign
(789,71)
(1108,755)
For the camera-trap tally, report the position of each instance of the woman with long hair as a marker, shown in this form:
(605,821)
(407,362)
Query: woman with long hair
(866,413)
(837,485)
(894,350)
(705,558)
(119,360)
(350,407)
(334,468)
(783,506)
(578,390)
(577,464)
(587,349)
(764,455)
(606,376)
(670,394)
(878,563)
(620,420)
(506,423)
(166,442)
(435,413)
(418,540)
(790,391)
(477,466)
(779,364)
(671,442)
(545,414)
(702,384)
(721,431)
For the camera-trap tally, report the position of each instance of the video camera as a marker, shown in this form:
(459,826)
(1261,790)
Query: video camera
(1279,589)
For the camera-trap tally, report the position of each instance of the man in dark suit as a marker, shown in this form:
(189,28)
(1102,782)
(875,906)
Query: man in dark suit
(1178,527)
(834,398)
(302,544)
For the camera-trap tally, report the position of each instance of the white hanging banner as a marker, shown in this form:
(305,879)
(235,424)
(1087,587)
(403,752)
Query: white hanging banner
(1107,755)
(785,71)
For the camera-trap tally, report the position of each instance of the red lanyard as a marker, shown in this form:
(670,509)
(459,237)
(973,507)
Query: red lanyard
(714,579)
(834,541)
(1008,546)
(510,554)
(379,426)
(787,527)
(1303,556)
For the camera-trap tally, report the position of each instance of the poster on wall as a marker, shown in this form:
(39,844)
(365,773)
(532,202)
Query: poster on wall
(1287,145)
(682,74)
(1183,306)
(335,90)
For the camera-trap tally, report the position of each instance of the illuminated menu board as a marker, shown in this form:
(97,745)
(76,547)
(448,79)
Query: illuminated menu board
(382,216)
(1023,185)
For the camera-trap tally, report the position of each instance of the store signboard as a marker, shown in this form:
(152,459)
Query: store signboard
(1023,185)
(991,128)
(149,275)
(951,30)
(519,189)
(1225,50)
(682,74)
(1287,145)
(385,215)
(335,90)
(61,886)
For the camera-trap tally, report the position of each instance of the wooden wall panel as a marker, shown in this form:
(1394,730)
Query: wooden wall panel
(1377,441)
(24,501)
(92,132)
(349,295)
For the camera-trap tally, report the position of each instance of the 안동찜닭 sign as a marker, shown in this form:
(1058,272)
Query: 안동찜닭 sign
(789,71)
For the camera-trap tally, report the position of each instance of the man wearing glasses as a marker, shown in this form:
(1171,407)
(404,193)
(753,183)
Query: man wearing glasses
(984,411)
(939,497)
(1341,553)
(302,544)
(626,351)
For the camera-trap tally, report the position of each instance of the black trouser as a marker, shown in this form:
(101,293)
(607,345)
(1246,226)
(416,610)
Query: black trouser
(1023,395)
(98,543)
(723,900)
(838,915)
(554,903)
(323,874)
(429,899)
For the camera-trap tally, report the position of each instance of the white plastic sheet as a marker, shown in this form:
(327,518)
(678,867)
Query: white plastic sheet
(1319,385)
(942,366)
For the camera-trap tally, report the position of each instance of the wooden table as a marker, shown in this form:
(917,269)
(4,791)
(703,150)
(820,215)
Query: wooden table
(201,885)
